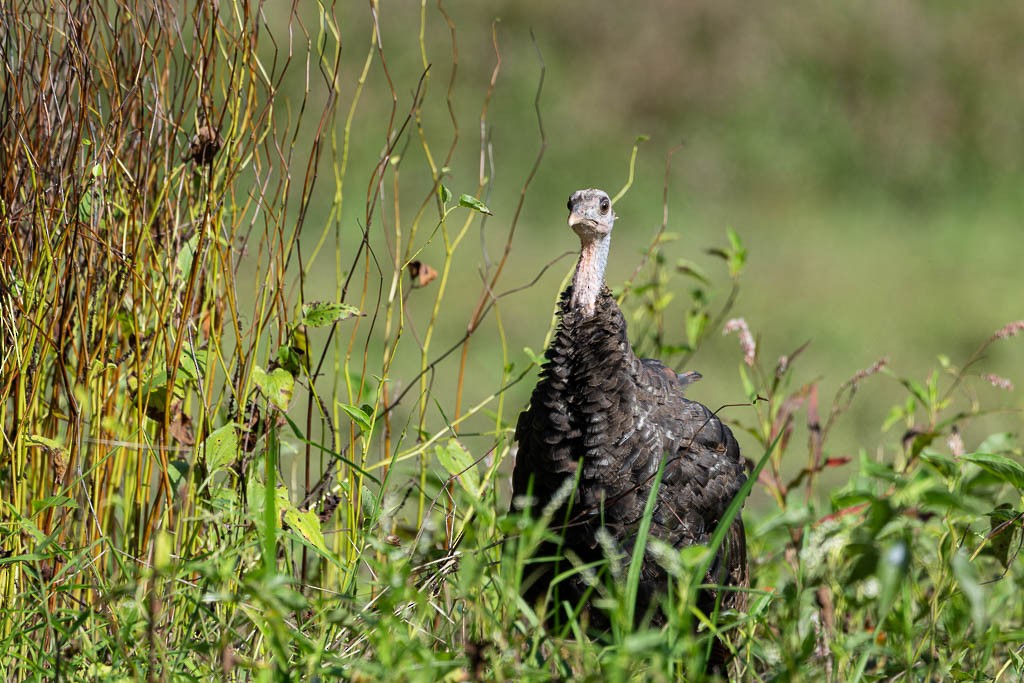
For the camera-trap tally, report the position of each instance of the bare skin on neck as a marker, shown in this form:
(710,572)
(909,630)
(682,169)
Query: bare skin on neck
(591,218)
(589,277)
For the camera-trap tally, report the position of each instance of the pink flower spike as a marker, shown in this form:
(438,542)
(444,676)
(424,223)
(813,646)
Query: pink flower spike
(1009,330)
(998,382)
(747,342)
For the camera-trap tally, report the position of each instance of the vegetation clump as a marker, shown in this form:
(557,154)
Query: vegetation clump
(258,385)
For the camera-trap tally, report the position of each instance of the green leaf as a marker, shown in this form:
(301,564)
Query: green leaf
(893,566)
(45,442)
(662,302)
(220,447)
(187,254)
(748,386)
(896,414)
(307,524)
(321,313)
(633,574)
(193,363)
(945,465)
(535,358)
(1000,442)
(999,466)
(967,577)
(691,269)
(85,206)
(696,323)
(282,502)
(1003,530)
(446,194)
(642,643)
(278,386)
(54,501)
(360,416)
(162,550)
(944,502)
(291,359)
(737,254)
(177,471)
(459,463)
(919,392)
(471,202)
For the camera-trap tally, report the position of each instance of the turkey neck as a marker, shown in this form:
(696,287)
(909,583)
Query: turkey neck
(589,277)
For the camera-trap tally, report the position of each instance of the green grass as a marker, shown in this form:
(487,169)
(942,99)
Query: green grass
(240,442)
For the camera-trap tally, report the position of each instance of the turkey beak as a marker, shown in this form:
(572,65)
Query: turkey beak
(576,221)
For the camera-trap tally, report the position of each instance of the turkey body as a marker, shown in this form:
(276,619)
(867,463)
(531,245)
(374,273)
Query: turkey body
(607,420)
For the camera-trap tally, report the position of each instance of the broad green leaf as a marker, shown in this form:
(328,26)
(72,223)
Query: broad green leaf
(360,416)
(193,363)
(154,382)
(45,442)
(999,466)
(162,550)
(85,206)
(893,565)
(257,500)
(942,502)
(254,493)
(53,501)
(292,359)
(277,385)
(945,465)
(967,577)
(446,194)
(187,254)
(307,524)
(459,463)
(1003,532)
(1000,442)
(223,499)
(471,202)
(321,313)
(177,471)
(220,447)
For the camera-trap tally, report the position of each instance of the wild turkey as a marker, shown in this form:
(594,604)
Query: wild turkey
(600,408)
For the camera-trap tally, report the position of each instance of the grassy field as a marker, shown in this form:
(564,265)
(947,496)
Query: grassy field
(274,281)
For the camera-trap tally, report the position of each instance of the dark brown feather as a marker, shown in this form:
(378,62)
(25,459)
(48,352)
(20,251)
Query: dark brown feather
(600,408)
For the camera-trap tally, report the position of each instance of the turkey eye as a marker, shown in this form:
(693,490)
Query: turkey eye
(605,205)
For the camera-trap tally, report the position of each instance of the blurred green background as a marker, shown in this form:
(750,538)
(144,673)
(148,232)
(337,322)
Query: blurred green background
(868,154)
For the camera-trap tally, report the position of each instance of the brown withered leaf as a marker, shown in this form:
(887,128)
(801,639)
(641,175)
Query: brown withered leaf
(179,427)
(204,146)
(421,274)
(60,467)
